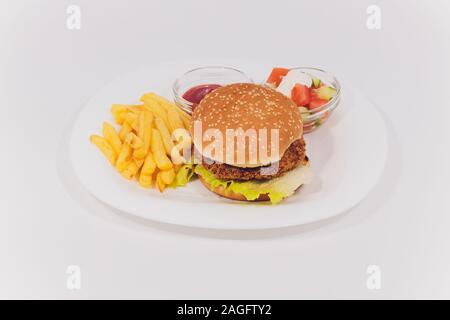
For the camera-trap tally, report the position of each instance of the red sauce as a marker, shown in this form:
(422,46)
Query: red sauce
(197,93)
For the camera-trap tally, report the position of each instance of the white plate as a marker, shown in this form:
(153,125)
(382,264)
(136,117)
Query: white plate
(347,155)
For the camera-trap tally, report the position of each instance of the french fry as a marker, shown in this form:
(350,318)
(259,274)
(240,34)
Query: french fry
(135,108)
(174,120)
(105,148)
(177,168)
(155,174)
(149,165)
(124,131)
(144,133)
(159,182)
(159,154)
(143,150)
(123,157)
(160,112)
(112,137)
(167,176)
(119,112)
(165,135)
(150,97)
(139,162)
(131,118)
(135,124)
(155,107)
(133,140)
(166,104)
(118,108)
(130,170)
(145,181)
(186,119)
(119,118)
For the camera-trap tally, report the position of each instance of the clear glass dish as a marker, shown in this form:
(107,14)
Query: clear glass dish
(202,76)
(316,117)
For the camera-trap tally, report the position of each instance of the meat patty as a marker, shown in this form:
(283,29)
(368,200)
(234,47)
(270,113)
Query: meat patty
(293,156)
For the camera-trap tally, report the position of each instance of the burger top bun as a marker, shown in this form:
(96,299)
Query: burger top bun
(247,117)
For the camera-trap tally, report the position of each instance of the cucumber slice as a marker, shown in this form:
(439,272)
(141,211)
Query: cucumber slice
(316,82)
(325,93)
(304,112)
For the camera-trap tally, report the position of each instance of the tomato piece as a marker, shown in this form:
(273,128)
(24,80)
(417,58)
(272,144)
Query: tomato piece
(316,103)
(301,95)
(276,75)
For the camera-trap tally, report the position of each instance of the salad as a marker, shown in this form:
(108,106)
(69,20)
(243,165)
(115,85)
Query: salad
(312,93)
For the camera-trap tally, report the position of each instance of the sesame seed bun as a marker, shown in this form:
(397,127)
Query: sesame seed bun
(244,106)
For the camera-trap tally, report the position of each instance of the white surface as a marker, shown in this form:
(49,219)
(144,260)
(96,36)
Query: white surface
(353,143)
(47,221)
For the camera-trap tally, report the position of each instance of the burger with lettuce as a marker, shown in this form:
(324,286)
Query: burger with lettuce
(249,143)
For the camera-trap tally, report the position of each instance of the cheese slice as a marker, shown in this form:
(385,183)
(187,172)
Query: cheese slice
(291,79)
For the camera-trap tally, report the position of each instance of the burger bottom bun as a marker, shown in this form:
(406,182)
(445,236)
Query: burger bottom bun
(221,191)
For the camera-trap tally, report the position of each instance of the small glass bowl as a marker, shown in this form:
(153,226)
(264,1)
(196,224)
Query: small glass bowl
(316,117)
(205,75)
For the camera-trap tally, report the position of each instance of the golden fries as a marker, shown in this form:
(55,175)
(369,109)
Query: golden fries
(160,182)
(174,120)
(124,157)
(183,115)
(130,170)
(148,142)
(186,119)
(167,176)
(144,133)
(145,181)
(105,148)
(124,131)
(118,108)
(165,135)
(149,165)
(135,108)
(139,162)
(112,137)
(159,154)
(119,112)
(130,117)
(134,141)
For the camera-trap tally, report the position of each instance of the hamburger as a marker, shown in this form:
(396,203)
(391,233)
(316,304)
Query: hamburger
(248,140)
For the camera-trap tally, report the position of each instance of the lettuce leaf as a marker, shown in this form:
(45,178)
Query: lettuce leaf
(277,189)
(183,176)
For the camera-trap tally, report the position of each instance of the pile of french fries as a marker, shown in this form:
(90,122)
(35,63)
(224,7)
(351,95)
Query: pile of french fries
(150,141)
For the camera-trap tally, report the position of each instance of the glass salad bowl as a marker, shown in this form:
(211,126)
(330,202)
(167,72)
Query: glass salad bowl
(316,92)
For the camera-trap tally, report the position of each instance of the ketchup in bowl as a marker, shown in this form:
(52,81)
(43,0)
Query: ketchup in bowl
(197,93)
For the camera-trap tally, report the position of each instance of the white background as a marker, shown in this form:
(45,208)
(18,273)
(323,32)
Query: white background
(47,221)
